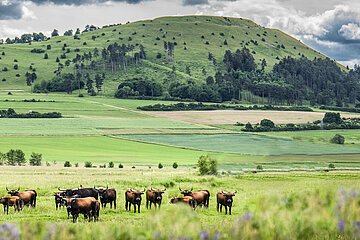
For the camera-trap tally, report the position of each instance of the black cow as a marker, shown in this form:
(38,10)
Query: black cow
(59,200)
(81,192)
(133,197)
(107,195)
(225,199)
(154,196)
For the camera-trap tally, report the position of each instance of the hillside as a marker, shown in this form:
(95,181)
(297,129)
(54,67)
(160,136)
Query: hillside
(194,38)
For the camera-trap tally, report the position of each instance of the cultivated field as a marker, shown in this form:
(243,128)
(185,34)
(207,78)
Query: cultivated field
(294,196)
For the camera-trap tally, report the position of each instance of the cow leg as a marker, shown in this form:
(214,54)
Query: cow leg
(111,205)
(114,204)
(147,204)
(221,208)
(230,210)
(217,207)
(7,209)
(126,205)
(4,209)
(134,208)
(139,208)
(159,205)
(225,209)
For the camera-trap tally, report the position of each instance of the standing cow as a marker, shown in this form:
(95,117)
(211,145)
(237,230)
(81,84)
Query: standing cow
(133,197)
(87,206)
(28,196)
(202,197)
(107,195)
(225,199)
(60,201)
(12,201)
(154,196)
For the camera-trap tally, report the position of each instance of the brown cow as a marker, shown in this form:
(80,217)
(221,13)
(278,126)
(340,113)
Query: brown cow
(154,196)
(95,213)
(202,197)
(28,197)
(186,199)
(133,197)
(225,199)
(12,201)
(86,206)
(107,195)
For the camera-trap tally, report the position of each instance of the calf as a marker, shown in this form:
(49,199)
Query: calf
(154,196)
(107,196)
(186,199)
(225,199)
(202,197)
(86,206)
(59,200)
(12,201)
(28,196)
(133,197)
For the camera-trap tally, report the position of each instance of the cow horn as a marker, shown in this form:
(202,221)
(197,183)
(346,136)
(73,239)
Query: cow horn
(164,190)
(191,188)
(235,192)
(180,189)
(18,188)
(81,186)
(152,189)
(7,189)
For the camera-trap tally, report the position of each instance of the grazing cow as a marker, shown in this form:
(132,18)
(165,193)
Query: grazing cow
(28,197)
(225,199)
(107,196)
(12,201)
(202,197)
(133,197)
(186,199)
(60,201)
(154,196)
(81,192)
(86,206)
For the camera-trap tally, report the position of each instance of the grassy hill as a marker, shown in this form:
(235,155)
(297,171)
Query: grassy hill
(195,37)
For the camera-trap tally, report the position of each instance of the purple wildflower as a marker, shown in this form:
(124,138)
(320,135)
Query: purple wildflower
(341,226)
(9,231)
(247,217)
(204,235)
(217,236)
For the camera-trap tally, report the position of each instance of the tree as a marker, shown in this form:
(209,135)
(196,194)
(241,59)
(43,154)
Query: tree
(15,157)
(35,159)
(175,165)
(331,117)
(111,165)
(55,33)
(338,139)
(248,127)
(207,165)
(160,166)
(267,123)
(68,32)
(99,81)
(67,164)
(46,56)
(88,164)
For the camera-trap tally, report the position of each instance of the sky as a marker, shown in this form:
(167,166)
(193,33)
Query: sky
(329,26)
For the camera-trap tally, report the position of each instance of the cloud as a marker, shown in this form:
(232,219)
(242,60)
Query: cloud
(194,2)
(10,10)
(350,31)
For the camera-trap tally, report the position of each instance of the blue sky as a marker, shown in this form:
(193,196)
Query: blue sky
(330,26)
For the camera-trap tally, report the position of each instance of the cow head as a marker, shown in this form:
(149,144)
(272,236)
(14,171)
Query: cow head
(228,196)
(137,194)
(158,193)
(102,192)
(68,192)
(186,192)
(13,192)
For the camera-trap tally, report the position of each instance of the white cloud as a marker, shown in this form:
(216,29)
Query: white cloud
(350,31)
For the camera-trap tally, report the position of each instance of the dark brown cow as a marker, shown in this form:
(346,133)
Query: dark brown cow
(28,196)
(95,213)
(133,197)
(107,195)
(202,197)
(154,196)
(86,206)
(67,201)
(225,199)
(186,199)
(60,201)
(12,201)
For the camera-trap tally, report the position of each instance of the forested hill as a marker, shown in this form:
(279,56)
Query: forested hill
(157,58)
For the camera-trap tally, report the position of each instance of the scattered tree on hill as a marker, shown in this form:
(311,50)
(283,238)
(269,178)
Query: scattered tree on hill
(55,33)
(207,165)
(15,157)
(331,117)
(266,123)
(68,33)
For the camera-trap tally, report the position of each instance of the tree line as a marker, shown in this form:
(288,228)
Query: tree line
(17,157)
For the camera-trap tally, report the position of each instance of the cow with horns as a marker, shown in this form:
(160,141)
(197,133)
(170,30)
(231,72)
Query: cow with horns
(154,196)
(60,200)
(202,197)
(133,197)
(28,196)
(188,200)
(88,206)
(81,192)
(107,195)
(225,199)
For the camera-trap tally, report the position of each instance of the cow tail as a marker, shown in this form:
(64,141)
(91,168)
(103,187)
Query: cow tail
(33,197)
(208,198)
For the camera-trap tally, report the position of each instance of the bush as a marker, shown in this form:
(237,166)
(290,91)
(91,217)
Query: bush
(267,123)
(338,139)
(111,165)
(35,159)
(331,165)
(121,166)
(207,165)
(259,167)
(160,166)
(76,164)
(175,165)
(67,164)
(331,117)
(15,157)
(88,164)
(2,158)
(81,95)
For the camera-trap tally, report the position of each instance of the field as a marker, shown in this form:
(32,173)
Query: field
(284,199)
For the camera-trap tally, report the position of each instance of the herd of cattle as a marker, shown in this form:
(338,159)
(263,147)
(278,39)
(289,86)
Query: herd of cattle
(86,200)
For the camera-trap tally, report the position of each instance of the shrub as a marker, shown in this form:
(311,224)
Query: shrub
(121,166)
(207,165)
(88,164)
(81,95)
(2,158)
(259,167)
(111,165)
(48,164)
(331,165)
(160,166)
(76,164)
(331,117)
(35,159)
(338,139)
(67,164)
(248,126)
(175,165)
(15,157)
(267,123)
